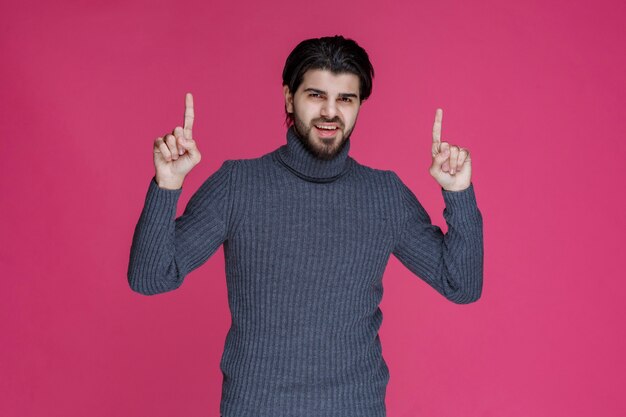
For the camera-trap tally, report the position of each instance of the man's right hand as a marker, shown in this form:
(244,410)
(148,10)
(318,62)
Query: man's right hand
(176,153)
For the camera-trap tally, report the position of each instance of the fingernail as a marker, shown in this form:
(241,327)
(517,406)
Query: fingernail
(452,172)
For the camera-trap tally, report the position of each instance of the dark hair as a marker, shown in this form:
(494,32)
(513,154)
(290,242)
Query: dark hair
(334,53)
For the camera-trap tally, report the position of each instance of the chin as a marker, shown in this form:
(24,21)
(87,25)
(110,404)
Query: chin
(316,145)
(323,149)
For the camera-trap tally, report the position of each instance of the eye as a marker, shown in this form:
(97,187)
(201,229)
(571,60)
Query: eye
(315,95)
(346,99)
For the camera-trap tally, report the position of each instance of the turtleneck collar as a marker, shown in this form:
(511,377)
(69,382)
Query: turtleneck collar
(309,167)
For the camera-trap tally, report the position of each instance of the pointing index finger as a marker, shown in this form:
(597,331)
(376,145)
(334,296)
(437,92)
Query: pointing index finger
(189,115)
(437,126)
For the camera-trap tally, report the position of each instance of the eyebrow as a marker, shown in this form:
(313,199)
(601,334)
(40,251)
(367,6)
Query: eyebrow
(342,95)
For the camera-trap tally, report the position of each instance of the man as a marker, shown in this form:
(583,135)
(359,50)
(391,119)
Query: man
(307,233)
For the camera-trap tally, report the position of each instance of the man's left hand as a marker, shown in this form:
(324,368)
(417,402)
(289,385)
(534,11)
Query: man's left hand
(452,165)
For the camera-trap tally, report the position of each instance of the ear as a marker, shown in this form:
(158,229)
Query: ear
(288,99)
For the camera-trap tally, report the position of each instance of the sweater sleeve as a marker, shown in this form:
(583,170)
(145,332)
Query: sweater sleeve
(452,263)
(164,249)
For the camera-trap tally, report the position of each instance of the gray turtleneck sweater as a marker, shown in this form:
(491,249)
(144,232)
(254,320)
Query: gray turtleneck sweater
(306,242)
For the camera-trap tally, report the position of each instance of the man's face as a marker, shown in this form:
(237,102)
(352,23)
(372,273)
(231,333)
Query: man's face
(325,108)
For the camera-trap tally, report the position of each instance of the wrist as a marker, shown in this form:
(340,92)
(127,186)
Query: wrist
(455,189)
(169,183)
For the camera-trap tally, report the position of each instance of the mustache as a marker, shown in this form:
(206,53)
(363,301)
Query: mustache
(325,120)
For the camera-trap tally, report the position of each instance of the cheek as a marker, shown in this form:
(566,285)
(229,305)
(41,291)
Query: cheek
(308,114)
(350,118)
(302,109)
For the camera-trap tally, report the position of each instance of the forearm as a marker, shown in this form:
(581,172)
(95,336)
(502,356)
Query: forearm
(461,268)
(152,266)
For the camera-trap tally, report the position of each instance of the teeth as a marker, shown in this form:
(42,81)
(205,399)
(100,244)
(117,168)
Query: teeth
(326,127)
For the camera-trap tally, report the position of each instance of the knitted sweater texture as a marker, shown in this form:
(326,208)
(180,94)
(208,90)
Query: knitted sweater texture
(306,242)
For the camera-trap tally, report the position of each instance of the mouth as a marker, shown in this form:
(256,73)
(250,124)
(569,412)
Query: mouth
(326,129)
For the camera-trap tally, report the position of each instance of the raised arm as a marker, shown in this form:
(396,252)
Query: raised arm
(164,249)
(450,263)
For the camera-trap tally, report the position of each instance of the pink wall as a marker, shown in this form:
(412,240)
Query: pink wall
(535,91)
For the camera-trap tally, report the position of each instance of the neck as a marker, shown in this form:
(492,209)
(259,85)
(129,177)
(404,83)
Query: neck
(295,156)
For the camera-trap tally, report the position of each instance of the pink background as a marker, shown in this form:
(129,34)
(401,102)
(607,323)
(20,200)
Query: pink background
(536,92)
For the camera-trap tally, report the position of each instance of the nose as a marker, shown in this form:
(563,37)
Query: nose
(329,110)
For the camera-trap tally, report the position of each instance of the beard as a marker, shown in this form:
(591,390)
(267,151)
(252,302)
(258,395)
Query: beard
(325,150)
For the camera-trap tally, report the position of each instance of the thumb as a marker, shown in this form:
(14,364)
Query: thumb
(190,147)
(441,157)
